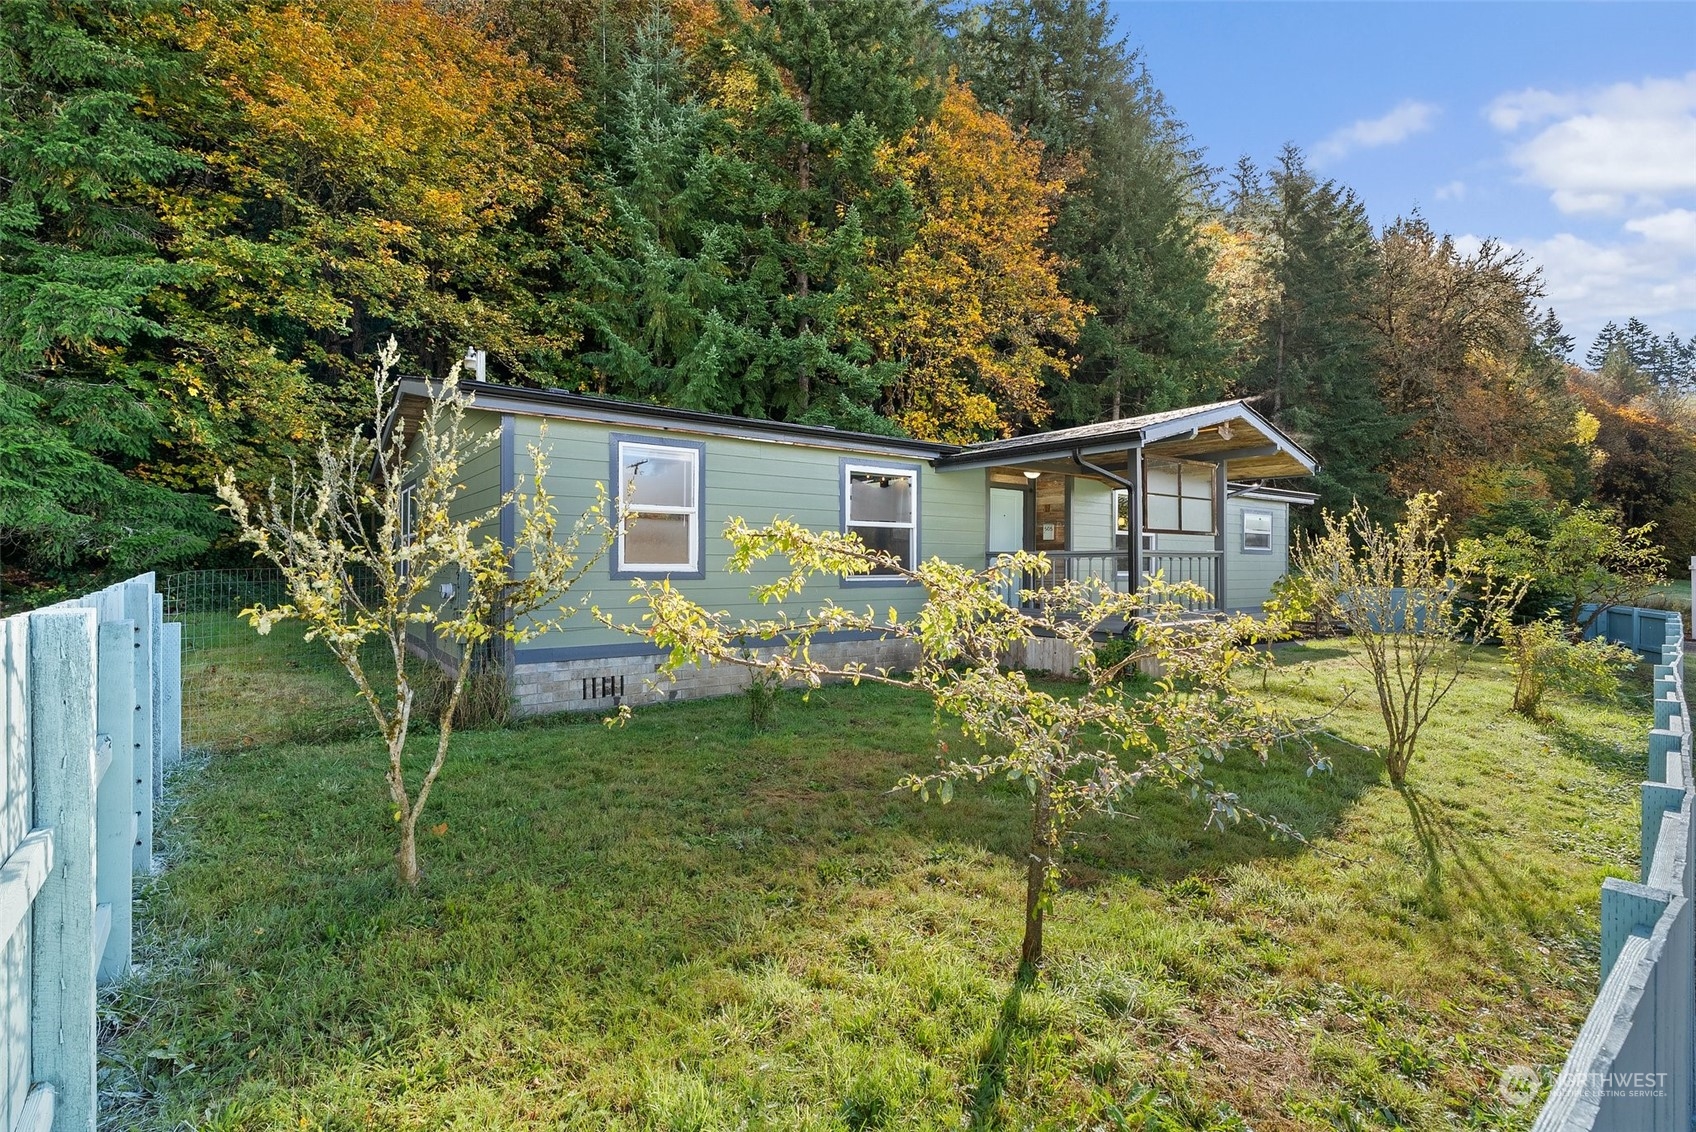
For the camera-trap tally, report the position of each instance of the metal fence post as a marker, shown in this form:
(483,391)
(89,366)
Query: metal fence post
(62,657)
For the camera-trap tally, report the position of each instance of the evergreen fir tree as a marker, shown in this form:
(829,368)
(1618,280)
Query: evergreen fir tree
(77,267)
(1129,223)
(1315,370)
(746,215)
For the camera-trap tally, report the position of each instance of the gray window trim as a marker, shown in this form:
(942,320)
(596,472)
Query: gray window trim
(619,572)
(866,464)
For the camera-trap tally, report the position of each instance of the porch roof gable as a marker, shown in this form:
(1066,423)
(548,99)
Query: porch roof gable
(1251,446)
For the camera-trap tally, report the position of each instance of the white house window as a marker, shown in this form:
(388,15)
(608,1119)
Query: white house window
(881,506)
(1178,497)
(1257,532)
(659,490)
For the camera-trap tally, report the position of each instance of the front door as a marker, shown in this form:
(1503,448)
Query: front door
(1006,519)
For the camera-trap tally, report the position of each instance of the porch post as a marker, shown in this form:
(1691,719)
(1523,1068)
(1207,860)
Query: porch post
(1219,488)
(1133,511)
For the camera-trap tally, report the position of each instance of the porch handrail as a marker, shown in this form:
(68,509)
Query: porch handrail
(1110,566)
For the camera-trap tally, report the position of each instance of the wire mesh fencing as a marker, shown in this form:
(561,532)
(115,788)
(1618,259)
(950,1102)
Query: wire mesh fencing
(243,689)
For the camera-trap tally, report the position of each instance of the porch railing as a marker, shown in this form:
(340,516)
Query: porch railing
(1200,567)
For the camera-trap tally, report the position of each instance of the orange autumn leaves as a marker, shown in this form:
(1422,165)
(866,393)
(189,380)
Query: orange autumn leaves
(973,305)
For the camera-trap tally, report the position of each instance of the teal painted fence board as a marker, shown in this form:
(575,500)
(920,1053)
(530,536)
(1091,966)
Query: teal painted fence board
(15,824)
(138,608)
(86,725)
(62,658)
(1643,1024)
(168,703)
(116,711)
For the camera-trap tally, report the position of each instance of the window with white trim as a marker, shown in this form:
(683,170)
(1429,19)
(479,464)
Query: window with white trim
(1178,497)
(1257,532)
(881,505)
(660,508)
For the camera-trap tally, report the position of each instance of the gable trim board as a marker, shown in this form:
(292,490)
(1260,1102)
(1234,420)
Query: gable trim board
(760,470)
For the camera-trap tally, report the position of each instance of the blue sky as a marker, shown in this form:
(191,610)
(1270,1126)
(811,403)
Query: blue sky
(1567,130)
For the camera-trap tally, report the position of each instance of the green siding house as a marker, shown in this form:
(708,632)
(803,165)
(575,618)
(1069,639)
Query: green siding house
(1189,491)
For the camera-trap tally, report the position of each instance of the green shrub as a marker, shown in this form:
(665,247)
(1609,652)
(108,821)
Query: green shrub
(1545,656)
(762,698)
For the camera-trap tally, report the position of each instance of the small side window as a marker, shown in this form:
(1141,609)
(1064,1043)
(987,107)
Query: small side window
(1257,532)
(408,512)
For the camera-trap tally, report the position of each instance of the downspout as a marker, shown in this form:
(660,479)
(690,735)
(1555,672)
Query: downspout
(1115,477)
(1133,540)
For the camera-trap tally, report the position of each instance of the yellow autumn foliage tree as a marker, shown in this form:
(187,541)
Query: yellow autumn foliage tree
(363,166)
(973,306)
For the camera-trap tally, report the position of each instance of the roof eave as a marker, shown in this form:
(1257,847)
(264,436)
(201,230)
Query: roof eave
(495,398)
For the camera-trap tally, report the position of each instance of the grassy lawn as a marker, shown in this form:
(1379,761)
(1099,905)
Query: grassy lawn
(242,690)
(1674,595)
(687,925)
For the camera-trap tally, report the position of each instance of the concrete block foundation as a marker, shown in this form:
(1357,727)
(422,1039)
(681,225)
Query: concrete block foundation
(603,683)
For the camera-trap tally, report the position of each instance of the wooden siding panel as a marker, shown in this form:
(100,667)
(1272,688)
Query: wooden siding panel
(756,481)
(482,471)
(1248,576)
(1092,515)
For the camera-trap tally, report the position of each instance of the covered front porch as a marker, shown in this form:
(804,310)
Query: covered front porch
(1169,493)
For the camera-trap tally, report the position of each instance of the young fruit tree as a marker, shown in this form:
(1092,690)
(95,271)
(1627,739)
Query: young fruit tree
(374,548)
(1416,611)
(1087,749)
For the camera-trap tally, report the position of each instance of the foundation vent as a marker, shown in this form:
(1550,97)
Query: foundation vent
(603,687)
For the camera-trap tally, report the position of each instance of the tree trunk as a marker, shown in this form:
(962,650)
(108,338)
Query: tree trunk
(1036,877)
(1396,759)
(803,281)
(1042,855)
(406,858)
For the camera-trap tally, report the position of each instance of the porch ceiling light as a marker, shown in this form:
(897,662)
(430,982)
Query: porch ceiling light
(1032,475)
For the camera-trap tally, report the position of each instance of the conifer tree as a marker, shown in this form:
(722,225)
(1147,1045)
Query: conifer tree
(1315,369)
(78,264)
(1129,225)
(746,210)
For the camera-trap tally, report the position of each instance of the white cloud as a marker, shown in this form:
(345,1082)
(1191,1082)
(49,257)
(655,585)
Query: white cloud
(1603,149)
(1406,119)
(1590,282)
(1511,111)
(1674,230)
(1454,190)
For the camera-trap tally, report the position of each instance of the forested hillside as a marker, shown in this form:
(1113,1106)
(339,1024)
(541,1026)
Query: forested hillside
(954,220)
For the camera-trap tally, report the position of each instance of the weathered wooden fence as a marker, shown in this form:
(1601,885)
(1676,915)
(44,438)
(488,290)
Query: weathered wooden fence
(90,719)
(1633,1067)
